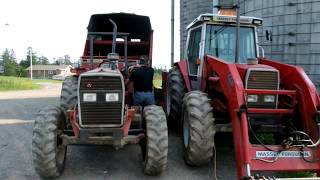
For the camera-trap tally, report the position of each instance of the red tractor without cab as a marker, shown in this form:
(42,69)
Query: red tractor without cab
(96,104)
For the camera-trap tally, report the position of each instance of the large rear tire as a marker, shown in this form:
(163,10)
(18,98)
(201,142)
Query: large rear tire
(198,129)
(175,92)
(68,96)
(47,149)
(156,142)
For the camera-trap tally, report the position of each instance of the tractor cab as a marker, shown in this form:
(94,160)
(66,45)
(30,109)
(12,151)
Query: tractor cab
(224,84)
(215,35)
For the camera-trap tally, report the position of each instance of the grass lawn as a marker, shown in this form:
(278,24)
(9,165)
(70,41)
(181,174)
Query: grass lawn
(46,81)
(8,83)
(157,80)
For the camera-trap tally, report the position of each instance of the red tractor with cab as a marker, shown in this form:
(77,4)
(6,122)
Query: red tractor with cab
(214,90)
(96,102)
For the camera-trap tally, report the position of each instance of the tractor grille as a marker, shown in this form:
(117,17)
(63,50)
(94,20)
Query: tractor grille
(101,113)
(262,79)
(101,83)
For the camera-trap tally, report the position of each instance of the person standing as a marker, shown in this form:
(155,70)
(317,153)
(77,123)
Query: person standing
(142,78)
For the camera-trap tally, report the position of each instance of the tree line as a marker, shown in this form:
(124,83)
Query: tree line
(11,67)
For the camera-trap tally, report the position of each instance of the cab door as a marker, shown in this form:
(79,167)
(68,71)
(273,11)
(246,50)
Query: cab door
(193,56)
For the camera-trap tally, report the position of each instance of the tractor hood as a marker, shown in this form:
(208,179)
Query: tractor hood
(243,68)
(103,71)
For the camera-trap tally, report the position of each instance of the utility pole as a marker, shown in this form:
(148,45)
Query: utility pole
(44,71)
(30,55)
(172,32)
(238,32)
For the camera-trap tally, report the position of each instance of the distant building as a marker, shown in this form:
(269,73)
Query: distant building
(48,71)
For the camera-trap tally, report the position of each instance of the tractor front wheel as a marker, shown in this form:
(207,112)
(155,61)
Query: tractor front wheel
(156,141)
(197,129)
(47,149)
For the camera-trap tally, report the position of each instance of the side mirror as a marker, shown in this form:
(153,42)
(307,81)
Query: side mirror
(269,35)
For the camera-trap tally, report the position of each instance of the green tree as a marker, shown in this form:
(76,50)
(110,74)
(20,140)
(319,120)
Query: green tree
(44,60)
(25,63)
(67,60)
(35,58)
(63,60)
(9,62)
(58,61)
(21,72)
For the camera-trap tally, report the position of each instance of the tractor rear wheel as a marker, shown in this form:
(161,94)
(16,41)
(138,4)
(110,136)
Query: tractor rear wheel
(198,129)
(156,142)
(175,91)
(47,149)
(68,96)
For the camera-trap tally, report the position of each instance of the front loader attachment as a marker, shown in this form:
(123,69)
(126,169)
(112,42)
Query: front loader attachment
(296,147)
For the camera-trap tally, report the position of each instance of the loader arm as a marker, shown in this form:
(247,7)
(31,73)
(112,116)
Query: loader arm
(231,83)
(294,78)
(247,160)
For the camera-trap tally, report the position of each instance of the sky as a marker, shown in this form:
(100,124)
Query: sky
(57,28)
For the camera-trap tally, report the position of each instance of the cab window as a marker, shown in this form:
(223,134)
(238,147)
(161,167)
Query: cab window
(193,50)
(221,43)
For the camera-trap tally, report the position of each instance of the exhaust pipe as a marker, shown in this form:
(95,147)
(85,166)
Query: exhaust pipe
(114,35)
(114,56)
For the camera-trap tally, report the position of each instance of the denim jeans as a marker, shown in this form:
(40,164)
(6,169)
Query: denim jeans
(143,98)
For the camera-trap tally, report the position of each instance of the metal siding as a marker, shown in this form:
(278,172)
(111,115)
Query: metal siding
(295,25)
(189,10)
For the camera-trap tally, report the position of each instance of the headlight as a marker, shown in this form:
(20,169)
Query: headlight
(112,97)
(252,98)
(89,97)
(269,98)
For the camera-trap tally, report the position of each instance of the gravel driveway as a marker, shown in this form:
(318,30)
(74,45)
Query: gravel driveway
(19,108)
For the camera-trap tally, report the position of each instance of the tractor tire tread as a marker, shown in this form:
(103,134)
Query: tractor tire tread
(44,142)
(202,131)
(177,90)
(157,140)
(68,96)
